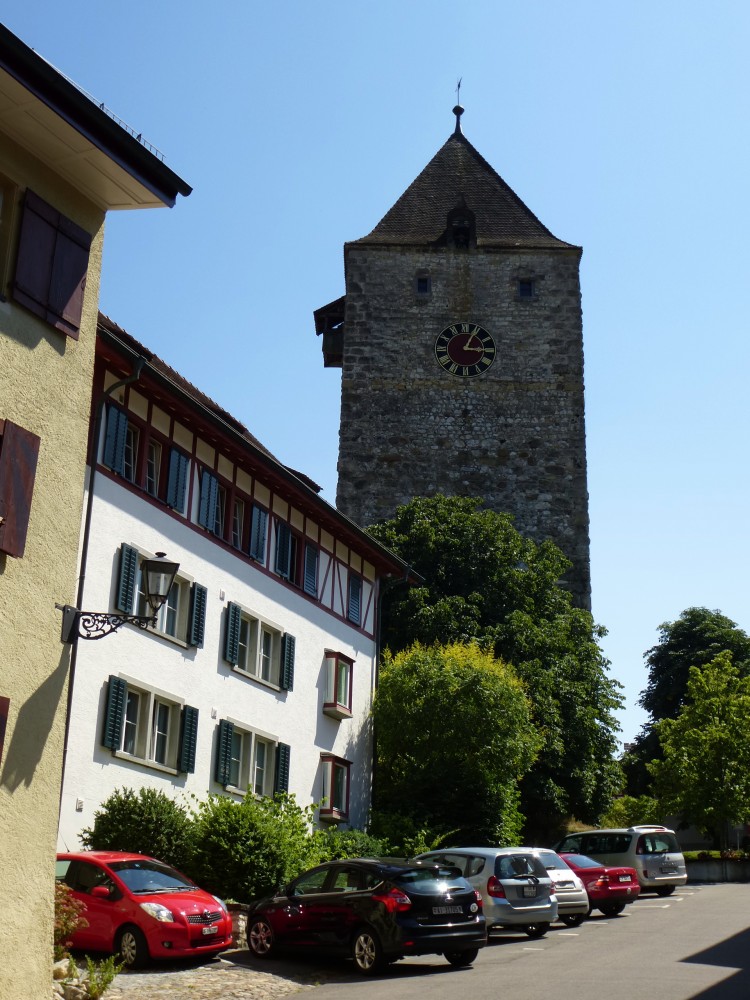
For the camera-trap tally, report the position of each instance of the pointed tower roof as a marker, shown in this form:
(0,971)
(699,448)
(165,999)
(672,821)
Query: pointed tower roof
(459,177)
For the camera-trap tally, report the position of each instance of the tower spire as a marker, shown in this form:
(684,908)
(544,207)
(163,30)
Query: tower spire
(458,110)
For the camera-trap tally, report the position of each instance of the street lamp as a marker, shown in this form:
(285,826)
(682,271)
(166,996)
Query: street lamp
(157,576)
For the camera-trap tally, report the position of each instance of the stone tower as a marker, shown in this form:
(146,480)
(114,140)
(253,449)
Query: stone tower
(460,340)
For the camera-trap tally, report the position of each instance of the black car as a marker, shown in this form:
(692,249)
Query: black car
(374,912)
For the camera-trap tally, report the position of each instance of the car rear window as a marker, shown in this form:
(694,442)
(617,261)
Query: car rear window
(581,861)
(430,873)
(518,866)
(657,843)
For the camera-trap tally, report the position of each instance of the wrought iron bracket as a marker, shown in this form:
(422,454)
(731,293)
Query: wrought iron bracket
(96,624)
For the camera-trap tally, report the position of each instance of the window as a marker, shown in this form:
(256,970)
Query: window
(153,467)
(354,607)
(182,616)
(338,696)
(130,455)
(335,788)
(423,285)
(177,481)
(19,451)
(150,725)
(310,583)
(249,760)
(526,288)
(238,522)
(258,533)
(258,648)
(51,266)
(212,504)
(288,552)
(115,440)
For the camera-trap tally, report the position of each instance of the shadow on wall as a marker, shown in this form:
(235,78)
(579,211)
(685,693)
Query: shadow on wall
(33,726)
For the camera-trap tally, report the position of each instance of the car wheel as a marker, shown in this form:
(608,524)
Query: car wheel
(461,958)
(260,938)
(132,948)
(573,919)
(536,930)
(664,890)
(367,952)
(612,909)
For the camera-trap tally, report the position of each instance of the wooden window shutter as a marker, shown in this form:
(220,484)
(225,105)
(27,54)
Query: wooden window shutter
(114,440)
(258,534)
(355,594)
(51,266)
(224,752)
(311,570)
(232,634)
(126,583)
(197,623)
(188,740)
(117,693)
(207,503)
(19,452)
(177,480)
(288,644)
(283,549)
(281,777)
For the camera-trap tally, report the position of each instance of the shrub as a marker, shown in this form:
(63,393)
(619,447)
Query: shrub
(247,849)
(147,822)
(68,919)
(334,843)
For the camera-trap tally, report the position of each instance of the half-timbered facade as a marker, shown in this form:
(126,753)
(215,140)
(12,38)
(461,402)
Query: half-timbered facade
(259,674)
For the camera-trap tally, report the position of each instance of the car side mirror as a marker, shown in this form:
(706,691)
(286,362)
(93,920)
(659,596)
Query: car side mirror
(101,892)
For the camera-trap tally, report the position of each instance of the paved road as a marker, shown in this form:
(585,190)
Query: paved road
(695,945)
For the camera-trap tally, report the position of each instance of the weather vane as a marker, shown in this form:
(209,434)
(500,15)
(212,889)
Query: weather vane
(458,90)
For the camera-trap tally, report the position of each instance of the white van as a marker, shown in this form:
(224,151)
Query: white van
(652,851)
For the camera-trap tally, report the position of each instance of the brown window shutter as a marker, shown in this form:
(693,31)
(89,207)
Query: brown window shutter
(53,257)
(18,457)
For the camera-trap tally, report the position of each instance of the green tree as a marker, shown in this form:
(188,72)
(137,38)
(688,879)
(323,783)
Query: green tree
(629,810)
(704,773)
(692,640)
(144,822)
(486,583)
(454,736)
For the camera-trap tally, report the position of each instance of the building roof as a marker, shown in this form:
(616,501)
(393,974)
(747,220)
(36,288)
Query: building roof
(47,114)
(456,177)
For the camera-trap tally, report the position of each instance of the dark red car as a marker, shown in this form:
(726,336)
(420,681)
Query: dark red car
(141,908)
(610,888)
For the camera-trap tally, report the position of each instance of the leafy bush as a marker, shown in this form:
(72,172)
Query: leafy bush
(334,843)
(630,810)
(99,976)
(68,919)
(146,822)
(247,849)
(405,837)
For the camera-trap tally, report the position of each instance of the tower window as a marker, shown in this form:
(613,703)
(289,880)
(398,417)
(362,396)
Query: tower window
(526,288)
(423,284)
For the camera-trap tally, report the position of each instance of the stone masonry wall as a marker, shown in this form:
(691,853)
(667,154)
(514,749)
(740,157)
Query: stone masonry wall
(514,435)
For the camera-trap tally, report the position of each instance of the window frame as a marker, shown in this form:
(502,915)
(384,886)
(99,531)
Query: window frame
(332,766)
(337,664)
(250,738)
(244,634)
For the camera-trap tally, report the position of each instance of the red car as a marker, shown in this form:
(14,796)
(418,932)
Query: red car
(610,888)
(141,908)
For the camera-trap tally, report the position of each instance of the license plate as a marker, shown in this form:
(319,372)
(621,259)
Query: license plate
(624,878)
(210,930)
(439,910)
(669,870)
(529,890)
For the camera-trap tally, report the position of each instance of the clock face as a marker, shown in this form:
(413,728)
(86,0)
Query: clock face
(464,350)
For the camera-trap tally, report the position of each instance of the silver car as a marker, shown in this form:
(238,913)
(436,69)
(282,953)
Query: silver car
(516,888)
(572,899)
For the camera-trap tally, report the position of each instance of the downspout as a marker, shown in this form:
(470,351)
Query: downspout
(140,362)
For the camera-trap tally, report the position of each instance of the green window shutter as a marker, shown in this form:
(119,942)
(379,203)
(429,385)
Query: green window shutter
(223,752)
(128,575)
(281,777)
(355,599)
(258,531)
(188,740)
(288,644)
(311,570)
(283,549)
(114,440)
(197,620)
(207,503)
(117,693)
(232,634)
(177,482)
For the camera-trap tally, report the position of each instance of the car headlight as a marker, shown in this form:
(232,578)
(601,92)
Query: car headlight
(221,903)
(158,912)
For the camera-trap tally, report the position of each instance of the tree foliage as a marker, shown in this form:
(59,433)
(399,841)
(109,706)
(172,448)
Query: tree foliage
(705,770)
(486,583)
(454,735)
(144,822)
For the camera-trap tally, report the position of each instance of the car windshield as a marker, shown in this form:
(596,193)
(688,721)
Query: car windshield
(427,873)
(552,861)
(150,876)
(519,866)
(581,861)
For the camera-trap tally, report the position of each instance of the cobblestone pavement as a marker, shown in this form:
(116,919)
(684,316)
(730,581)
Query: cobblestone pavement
(233,976)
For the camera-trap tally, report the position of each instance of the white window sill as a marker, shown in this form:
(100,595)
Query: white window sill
(254,677)
(146,763)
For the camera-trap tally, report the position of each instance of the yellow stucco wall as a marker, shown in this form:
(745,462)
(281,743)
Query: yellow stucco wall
(45,386)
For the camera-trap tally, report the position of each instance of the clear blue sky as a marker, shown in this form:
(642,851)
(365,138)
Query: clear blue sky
(624,127)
